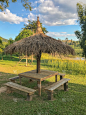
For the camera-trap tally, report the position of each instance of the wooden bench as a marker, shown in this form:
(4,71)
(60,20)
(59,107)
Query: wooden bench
(56,85)
(14,78)
(29,91)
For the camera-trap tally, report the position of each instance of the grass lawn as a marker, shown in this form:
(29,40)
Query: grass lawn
(72,102)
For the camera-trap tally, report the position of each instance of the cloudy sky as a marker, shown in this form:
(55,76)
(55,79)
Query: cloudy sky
(58,16)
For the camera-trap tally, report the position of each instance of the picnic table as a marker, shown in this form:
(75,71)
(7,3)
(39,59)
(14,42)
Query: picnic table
(43,75)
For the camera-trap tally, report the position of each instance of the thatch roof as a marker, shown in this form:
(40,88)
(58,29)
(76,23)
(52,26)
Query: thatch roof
(39,42)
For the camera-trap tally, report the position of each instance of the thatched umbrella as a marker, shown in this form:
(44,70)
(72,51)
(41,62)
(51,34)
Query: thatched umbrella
(38,43)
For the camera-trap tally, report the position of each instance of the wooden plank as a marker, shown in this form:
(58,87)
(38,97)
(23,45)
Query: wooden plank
(57,84)
(19,87)
(44,74)
(62,74)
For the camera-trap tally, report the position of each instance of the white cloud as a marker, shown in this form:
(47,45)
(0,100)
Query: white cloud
(61,34)
(53,14)
(58,12)
(7,16)
(41,1)
(31,17)
(34,9)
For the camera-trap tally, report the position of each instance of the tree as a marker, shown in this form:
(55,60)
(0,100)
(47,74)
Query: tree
(0,40)
(1,46)
(10,41)
(81,35)
(5,3)
(32,26)
(23,34)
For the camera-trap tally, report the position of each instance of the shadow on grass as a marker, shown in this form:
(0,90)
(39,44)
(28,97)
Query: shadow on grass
(72,102)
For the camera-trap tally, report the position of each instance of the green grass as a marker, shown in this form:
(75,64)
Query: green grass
(72,102)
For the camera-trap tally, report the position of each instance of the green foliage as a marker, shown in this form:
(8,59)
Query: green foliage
(65,66)
(78,52)
(5,3)
(0,40)
(1,46)
(81,10)
(23,34)
(33,25)
(10,41)
(78,34)
(3,39)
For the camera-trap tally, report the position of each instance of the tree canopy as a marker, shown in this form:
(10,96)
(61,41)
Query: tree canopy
(10,41)
(5,3)
(33,25)
(28,30)
(81,35)
(23,34)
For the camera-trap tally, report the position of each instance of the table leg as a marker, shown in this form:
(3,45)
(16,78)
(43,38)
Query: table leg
(61,77)
(39,87)
(66,86)
(55,78)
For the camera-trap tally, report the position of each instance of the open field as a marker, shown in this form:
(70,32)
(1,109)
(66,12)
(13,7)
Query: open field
(72,102)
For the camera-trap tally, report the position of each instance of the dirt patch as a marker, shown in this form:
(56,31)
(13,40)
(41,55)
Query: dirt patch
(2,89)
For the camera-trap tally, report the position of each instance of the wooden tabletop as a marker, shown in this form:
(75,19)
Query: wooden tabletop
(44,74)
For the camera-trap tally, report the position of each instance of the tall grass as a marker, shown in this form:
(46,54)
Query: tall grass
(64,65)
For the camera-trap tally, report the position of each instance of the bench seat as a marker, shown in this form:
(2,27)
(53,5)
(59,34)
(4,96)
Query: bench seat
(14,78)
(29,91)
(56,85)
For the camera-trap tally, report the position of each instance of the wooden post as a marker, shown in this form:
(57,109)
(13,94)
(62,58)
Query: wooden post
(66,86)
(50,95)
(38,62)
(26,56)
(32,58)
(55,78)
(39,87)
(29,97)
(61,77)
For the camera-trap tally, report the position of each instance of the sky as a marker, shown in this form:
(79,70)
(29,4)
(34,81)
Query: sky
(59,17)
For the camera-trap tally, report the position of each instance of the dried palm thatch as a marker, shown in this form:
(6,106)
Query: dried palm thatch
(37,44)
